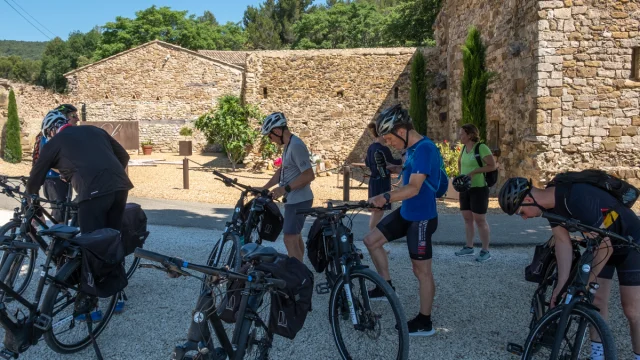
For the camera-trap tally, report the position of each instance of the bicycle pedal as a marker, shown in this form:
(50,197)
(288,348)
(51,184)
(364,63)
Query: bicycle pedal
(43,322)
(7,354)
(515,349)
(323,288)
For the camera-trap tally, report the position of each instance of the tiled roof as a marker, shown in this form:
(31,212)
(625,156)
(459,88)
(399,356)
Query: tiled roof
(229,57)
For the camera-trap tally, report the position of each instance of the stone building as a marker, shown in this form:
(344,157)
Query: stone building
(566,95)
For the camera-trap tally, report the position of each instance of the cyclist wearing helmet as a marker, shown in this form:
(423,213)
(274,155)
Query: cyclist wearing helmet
(417,218)
(595,207)
(54,188)
(293,179)
(93,162)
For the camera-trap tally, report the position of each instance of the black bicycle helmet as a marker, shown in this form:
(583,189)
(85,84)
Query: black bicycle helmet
(66,108)
(461,183)
(391,117)
(513,193)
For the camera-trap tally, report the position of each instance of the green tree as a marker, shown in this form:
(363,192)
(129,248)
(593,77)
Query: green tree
(418,105)
(56,61)
(411,22)
(229,125)
(475,82)
(13,148)
(271,25)
(357,24)
(19,69)
(232,37)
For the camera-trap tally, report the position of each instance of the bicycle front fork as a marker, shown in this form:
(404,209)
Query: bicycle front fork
(199,337)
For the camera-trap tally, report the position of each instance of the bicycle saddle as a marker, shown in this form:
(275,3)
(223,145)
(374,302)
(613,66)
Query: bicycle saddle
(251,252)
(60,231)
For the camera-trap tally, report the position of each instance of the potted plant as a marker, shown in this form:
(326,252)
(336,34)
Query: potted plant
(186,146)
(450,155)
(147,147)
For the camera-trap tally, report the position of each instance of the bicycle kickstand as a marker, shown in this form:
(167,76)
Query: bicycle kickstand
(93,338)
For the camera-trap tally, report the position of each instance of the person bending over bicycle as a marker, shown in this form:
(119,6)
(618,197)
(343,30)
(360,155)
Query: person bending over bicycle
(595,207)
(93,162)
(417,218)
(293,178)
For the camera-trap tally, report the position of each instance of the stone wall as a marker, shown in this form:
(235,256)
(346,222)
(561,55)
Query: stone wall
(155,82)
(330,96)
(588,103)
(509,30)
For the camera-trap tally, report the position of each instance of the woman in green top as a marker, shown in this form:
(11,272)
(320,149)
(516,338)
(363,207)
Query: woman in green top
(475,201)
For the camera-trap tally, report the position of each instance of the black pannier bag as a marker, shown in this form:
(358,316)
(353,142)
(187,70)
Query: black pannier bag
(102,270)
(271,220)
(542,257)
(134,228)
(231,301)
(316,252)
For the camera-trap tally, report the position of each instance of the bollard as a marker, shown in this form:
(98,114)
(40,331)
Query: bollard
(345,183)
(185,173)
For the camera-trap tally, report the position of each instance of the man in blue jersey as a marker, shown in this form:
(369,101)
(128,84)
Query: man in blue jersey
(417,218)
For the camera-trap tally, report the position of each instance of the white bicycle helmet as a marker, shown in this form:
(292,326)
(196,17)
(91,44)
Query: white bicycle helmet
(273,121)
(391,117)
(54,120)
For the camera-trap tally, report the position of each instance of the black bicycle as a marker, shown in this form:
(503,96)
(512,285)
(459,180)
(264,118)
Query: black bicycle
(561,332)
(16,268)
(244,227)
(251,337)
(66,326)
(353,316)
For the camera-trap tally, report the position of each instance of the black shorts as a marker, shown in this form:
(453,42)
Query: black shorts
(476,200)
(627,263)
(418,233)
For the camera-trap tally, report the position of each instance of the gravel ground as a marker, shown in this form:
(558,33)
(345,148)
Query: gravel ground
(477,310)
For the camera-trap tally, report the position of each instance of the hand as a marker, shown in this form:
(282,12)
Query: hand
(278,192)
(394,168)
(378,201)
(554,296)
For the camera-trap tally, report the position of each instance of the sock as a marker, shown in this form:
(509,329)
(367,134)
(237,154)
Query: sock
(597,352)
(637,357)
(425,319)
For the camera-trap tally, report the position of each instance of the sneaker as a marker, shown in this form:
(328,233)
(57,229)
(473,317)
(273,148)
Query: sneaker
(465,251)
(96,315)
(418,328)
(119,307)
(483,256)
(377,294)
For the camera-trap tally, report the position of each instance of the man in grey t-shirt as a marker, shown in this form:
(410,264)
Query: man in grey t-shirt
(293,178)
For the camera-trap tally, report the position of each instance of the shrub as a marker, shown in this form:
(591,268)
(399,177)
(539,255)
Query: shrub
(13,148)
(450,155)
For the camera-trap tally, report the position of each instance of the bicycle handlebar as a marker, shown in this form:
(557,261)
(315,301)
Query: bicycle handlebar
(178,263)
(340,208)
(11,190)
(580,226)
(234,182)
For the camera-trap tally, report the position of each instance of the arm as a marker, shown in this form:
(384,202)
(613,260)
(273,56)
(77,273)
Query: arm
(564,257)
(40,169)
(119,151)
(301,181)
(274,179)
(389,157)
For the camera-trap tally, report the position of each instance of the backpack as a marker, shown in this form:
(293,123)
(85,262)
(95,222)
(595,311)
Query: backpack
(491,177)
(441,185)
(102,270)
(271,221)
(289,312)
(626,193)
(134,228)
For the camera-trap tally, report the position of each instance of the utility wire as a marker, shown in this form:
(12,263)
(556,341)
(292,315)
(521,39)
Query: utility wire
(36,20)
(19,13)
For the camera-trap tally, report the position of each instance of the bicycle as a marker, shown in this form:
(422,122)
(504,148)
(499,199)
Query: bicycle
(347,284)
(239,230)
(12,264)
(245,338)
(575,304)
(22,330)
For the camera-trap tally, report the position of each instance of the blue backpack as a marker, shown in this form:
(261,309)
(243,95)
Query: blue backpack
(440,185)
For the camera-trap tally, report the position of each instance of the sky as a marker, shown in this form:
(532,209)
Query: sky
(64,16)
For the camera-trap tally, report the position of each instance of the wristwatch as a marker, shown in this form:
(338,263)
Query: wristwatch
(387,197)
(287,188)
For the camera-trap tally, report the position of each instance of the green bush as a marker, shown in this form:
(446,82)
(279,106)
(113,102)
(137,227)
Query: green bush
(13,148)
(418,105)
(186,131)
(229,125)
(475,82)
(450,155)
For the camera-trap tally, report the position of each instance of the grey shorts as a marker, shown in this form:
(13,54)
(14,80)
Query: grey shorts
(294,223)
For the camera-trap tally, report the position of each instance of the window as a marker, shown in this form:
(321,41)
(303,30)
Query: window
(264,92)
(395,93)
(635,64)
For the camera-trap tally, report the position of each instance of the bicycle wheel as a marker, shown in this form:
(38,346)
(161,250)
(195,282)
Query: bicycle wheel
(575,340)
(542,296)
(388,339)
(228,256)
(131,265)
(69,334)
(16,266)
(254,338)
